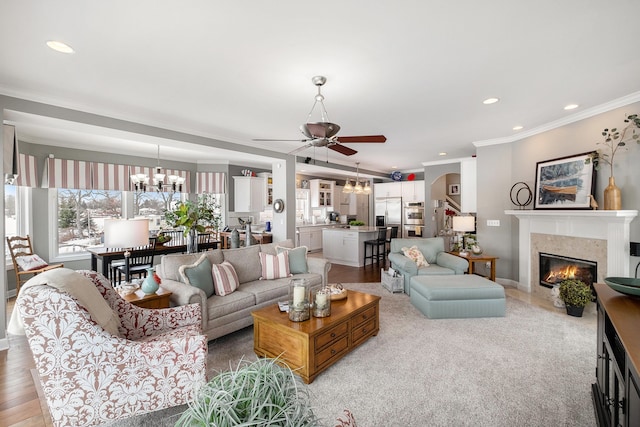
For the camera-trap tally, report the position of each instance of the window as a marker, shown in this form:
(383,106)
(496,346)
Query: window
(81,215)
(16,214)
(152,205)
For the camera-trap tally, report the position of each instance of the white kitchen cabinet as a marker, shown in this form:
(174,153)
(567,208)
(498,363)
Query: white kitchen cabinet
(249,193)
(268,201)
(322,193)
(412,191)
(346,247)
(311,237)
(388,189)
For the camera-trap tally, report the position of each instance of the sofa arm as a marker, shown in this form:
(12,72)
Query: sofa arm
(403,263)
(319,266)
(183,294)
(457,264)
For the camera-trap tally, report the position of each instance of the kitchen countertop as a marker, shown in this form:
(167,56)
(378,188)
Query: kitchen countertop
(360,229)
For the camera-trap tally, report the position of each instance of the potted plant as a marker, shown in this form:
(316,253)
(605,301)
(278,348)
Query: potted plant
(356,224)
(615,140)
(576,295)
(193,217)
(257,393)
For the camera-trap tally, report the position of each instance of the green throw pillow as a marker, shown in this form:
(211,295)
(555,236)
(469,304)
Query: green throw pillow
(297,259)
(198,275)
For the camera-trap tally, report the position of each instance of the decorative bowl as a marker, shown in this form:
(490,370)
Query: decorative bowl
(624,285)
(337,292)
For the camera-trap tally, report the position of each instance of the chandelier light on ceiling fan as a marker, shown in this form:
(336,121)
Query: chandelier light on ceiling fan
(141,181)
(357,188)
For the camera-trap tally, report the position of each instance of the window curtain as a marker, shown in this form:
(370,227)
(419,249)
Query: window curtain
(210,182)
(109,176)
(27,171)
(60,173)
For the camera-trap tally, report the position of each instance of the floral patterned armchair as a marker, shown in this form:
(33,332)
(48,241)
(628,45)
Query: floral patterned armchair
(90,376)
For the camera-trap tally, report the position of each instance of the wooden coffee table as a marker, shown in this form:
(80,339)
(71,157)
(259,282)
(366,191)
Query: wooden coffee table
(311,346)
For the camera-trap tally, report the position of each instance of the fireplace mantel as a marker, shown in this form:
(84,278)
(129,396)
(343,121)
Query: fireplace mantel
(612,226)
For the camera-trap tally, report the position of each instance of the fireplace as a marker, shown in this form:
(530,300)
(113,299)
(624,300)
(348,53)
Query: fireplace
(556,268)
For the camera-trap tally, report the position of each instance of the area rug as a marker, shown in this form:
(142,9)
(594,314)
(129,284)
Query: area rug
(533,367)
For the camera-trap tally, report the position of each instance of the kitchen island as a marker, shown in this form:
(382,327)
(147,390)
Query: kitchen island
(345,246)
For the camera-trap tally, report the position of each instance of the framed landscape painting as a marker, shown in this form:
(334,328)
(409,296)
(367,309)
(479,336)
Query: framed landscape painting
(566,183)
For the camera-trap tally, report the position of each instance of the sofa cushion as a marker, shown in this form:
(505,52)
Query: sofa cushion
(414,254)
(218,306)
(274,266)
(270,248)
(225,279)
(268,290)
(198,274)
(170,265)
(297,258)
(246,261)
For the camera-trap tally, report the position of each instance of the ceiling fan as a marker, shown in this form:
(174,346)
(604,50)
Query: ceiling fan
(324,133)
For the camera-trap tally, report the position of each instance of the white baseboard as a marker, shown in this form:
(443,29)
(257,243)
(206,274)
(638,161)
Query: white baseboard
(4,344)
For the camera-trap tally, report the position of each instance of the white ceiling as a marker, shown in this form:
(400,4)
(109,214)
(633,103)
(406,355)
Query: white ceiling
(415,71)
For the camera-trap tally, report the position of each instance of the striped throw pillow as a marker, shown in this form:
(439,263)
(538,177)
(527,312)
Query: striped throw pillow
(274,266)
(225,278)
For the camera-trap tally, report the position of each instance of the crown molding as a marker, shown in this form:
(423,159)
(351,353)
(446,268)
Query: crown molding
(585,114)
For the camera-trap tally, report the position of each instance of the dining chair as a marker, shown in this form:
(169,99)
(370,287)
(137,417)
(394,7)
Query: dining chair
(140,260)
(26,263)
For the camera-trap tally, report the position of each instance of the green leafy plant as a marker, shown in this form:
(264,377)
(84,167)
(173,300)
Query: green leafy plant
(615,139)
(195,215)
(260,393)
(575,293)
(356,223)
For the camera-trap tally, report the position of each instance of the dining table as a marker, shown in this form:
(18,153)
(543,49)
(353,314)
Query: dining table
(108,255)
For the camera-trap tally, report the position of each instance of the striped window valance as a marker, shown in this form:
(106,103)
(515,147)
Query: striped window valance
(27,171)
(210,182)
(109,176)
(61,173)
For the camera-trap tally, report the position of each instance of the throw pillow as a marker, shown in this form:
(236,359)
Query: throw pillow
(297,259)
(198,274)
(225,279)
(414,254)
(274,266)
(30,262)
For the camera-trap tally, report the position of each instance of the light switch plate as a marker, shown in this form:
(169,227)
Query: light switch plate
(493,223)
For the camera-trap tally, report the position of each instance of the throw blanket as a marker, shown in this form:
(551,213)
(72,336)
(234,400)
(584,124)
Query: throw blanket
(79,287)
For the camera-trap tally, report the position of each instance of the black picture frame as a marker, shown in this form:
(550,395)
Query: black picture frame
(566,182)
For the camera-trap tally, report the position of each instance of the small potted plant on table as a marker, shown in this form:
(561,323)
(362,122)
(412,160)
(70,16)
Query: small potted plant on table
(576,295)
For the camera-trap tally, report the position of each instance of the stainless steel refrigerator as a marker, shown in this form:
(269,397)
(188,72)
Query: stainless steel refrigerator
(389,208)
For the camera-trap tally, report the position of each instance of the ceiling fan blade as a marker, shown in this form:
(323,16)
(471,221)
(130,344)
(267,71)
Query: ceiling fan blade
(283,140)
(297,150)
(342,149)
(364,138)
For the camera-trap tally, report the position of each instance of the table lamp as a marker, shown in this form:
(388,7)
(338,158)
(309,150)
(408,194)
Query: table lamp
(126,234)
(462,225)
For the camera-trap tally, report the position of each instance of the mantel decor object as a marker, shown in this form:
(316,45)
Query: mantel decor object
(566,182)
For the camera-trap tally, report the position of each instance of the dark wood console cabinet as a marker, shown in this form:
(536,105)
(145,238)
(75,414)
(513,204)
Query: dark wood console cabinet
(616,392)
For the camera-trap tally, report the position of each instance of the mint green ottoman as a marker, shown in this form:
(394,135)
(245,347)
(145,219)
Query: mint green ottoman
(457,296)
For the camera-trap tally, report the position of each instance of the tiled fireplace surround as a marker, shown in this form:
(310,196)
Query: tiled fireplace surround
(600,236)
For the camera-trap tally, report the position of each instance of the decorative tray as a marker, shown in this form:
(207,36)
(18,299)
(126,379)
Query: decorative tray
(624,285)
(337,291)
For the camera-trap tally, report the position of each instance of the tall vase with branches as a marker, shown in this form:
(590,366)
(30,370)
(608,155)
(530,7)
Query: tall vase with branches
(615,140)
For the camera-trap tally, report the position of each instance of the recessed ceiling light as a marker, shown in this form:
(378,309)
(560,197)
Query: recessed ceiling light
(394,167)
(60,46)
(442,153)
(490,101)
(518,127)
(571,107)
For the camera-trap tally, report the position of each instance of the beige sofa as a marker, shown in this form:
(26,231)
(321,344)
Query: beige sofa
(222,315)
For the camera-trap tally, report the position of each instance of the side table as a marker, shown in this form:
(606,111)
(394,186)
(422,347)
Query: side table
(158,300)
(480,258)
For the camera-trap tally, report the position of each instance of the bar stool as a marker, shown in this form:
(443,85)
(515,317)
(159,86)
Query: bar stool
(375,245)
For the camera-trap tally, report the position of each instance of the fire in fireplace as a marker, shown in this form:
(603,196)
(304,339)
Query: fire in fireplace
(556,268)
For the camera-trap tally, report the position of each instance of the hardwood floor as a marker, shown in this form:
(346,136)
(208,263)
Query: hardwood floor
(19,403)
